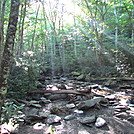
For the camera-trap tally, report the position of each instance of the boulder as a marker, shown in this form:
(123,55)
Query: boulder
(84,105)
(87,120)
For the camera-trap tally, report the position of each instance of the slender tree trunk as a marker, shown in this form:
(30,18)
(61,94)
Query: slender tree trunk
(20,40)
(2,10)
(133,25)
(7,54)
(32,45)
(116,33)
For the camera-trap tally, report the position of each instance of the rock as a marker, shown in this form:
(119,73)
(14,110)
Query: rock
(54,88)
(43,100)
(60,110)
(34,102)
(53,119)
(69,117)
(61,86)
(63,79)
(78,112)
(38,126)
(33,112)
(83,105)
(110,97)
(9,128)
(88,120)
(36,105)
(100,122)
(122,115)
(43,114)
(75,73)
(81,77)
(70,105)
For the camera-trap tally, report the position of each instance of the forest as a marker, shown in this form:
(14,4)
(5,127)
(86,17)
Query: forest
(67,63)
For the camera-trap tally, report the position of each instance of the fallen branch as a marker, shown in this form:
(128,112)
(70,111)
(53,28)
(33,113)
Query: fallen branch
(78,92)
(115,78)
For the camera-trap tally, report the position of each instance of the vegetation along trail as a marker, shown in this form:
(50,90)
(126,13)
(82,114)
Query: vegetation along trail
(67,66)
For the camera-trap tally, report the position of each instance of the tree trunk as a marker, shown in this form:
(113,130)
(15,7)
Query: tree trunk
(2,10)
(7,54)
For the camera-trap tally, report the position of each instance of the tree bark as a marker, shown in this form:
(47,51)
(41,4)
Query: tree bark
(2,10)
(7,54)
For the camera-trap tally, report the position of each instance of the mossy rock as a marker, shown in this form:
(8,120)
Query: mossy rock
(75,73)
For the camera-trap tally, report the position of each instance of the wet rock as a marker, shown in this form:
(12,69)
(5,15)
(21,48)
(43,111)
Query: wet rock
(70,105)
(100,122)
(88,120)
(53,119)
(69,117)
(84,105)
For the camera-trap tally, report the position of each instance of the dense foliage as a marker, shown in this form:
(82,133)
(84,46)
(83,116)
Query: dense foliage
(94,37)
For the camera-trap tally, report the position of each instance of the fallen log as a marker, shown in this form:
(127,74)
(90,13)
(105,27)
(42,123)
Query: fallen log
(114,78)
(78,92)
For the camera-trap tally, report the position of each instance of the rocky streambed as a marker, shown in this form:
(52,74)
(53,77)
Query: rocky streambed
(97,109)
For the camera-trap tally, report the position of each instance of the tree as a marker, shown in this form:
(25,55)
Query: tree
(7,54)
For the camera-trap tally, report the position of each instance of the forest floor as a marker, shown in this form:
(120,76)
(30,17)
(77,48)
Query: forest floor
(106,109)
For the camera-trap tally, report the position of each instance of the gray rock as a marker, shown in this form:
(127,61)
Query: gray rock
(34,102)
(78,112)
(70,105)
(88,120)
(89,103)
(53,119)
(69,117)
(36,105)
(33,112)
(43,114)
(100,122)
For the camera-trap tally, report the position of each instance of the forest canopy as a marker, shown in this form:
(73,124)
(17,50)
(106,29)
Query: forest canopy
(57,37)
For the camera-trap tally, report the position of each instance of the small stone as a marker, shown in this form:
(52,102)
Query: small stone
(69,117)
(100,122)
(110,97)
(70,105)
(36,105)
(79,112)
(53,119)
(88,120)
(34,102)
